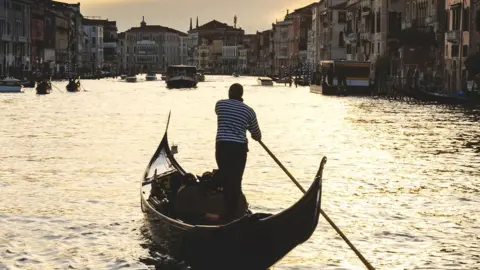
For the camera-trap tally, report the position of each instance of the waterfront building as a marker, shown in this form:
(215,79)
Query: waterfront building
(223,41)
(474,27)
(329,24)
(282,59)
(457,40)
(152,47)
(15,37)
(423,46)
(242,59)
(266,52)
(68,35)
(121,53)
(37,35)
(251,44)
(94,43)
(298,32)
(107,53)
(203,59)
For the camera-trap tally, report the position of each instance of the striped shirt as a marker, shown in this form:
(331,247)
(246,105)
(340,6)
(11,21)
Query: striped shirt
(234,118)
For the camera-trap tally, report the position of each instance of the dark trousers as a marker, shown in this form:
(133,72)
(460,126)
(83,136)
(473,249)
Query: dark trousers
(231,159)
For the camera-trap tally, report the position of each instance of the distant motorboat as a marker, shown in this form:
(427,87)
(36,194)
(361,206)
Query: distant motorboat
(151,77)
(200,75)
(10,85)
(235,74)
(181,76)
(131,79)
(123,77)
(265,81)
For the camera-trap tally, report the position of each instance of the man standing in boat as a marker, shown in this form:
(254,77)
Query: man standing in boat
(234,118)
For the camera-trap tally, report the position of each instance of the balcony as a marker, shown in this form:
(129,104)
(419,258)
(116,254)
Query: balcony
(109,45)
(406,24)
(453,36)
(365,36)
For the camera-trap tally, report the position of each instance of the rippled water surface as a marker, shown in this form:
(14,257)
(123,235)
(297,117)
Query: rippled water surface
(402,181)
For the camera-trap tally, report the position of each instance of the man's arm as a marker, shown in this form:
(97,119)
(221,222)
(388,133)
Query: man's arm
(216,107)
(254,128)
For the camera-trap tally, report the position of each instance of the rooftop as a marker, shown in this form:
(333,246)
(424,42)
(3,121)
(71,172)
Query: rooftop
(214,24)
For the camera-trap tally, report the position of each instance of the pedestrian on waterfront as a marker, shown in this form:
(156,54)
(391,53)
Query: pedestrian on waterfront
(234,118)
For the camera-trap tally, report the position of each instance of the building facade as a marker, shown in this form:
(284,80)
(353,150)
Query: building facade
(265,52)
(282,58)
(151,48)
(121,53)
(15,38)
(330,24)
(457,40)
(222,41)
(94,45)
(474,27)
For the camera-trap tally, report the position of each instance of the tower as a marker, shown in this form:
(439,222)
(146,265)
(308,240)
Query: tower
(235,21)
(143,23)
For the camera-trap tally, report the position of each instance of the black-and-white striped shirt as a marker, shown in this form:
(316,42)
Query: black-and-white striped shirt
(234,118)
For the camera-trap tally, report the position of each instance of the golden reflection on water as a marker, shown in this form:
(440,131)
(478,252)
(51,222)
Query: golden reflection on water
(402,180)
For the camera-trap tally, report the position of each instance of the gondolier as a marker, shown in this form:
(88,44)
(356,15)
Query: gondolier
(234,118)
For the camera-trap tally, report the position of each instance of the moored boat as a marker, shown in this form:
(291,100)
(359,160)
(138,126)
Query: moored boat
(73,86)
(200,75)
(10,85)
(131,78)
(181,76)
(123,77)
(28,83)
(164,77)
(253,241)
(44,87)
(265,81)
(151,77)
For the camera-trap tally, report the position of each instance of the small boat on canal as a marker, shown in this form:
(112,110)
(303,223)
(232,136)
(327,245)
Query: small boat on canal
(181,76)
(44,87)
(264,81)
(177,206)
(73,85)
(200,75)
(131,79)
(123,77)
(151,76)
(10,85)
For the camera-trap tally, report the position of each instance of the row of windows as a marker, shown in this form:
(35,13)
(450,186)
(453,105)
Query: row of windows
(17,28)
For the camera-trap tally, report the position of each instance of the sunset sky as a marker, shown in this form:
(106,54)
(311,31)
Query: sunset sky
(252,15)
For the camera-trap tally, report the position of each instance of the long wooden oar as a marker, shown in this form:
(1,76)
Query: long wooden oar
(360,256)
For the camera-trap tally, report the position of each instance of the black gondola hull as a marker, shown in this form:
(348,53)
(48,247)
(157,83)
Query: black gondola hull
(73,87)
(256,241)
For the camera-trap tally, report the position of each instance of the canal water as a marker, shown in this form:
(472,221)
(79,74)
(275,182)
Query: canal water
(402,181)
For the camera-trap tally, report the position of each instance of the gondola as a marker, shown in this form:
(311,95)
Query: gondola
(252,241)
(73,86)
(44,88)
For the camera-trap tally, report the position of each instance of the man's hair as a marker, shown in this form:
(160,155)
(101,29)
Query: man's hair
(235,91)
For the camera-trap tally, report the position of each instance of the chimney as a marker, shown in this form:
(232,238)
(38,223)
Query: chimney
(190,24)
(197,23)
